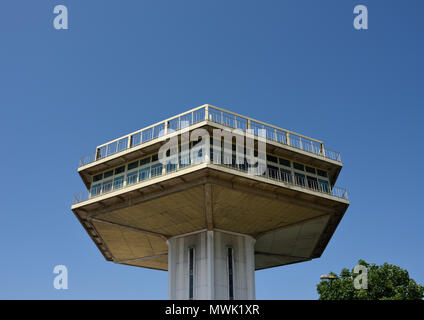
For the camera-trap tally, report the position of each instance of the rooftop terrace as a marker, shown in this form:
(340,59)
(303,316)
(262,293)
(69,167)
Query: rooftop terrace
(208,113)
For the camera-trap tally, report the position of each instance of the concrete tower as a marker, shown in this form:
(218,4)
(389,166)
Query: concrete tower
(204,217)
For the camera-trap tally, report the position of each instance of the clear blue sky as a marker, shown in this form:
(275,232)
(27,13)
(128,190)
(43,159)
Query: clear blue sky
(124,65)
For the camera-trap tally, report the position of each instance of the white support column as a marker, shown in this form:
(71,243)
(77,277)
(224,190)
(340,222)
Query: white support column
(250,266)
(211,279)
(211,265)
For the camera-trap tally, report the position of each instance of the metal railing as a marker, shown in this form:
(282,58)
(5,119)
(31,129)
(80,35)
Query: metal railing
(216,115)
(155,171)
(293,180)
(271,133)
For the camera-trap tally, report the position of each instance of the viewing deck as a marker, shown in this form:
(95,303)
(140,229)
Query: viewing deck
(152,173)
(207,113)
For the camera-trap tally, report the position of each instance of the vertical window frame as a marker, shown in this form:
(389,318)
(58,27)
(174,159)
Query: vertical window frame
(191,263)
(230,272)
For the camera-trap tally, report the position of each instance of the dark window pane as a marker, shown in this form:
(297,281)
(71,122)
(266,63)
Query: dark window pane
(299,179)
(272,158)
(155,157)
(191,273)
(324,186)
(144,161)
(98,177)
(230,274)
(133,165)
(312,183)
(119,170)
(108,174)
(298,166)
(310,170)
(322,173)
(273,172)
(284,162)
(286,175)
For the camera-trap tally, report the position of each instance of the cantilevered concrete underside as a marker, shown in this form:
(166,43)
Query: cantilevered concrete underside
(290,224)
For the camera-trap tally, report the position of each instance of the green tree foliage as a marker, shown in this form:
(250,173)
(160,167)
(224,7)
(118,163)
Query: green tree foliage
(385,282)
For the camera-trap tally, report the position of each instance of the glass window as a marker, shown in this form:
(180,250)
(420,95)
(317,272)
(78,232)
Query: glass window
(155,157)
(118,182)
(271,158)
(184,160)
(171,167)
(133,165)
(144,174)
(298,166)
(230,274)
(107,186)
(299,179)
(286,175)
(108,174)
(98,177)
(324,186)
(132,177)
(273,172)
(310,169)
(95,190)
(312,183)
(191,273)
(284,162)
(322,173)
(156,169)
(119,170)
(144,161)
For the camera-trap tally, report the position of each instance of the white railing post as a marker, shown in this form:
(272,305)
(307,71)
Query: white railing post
(207,112)
(322,149)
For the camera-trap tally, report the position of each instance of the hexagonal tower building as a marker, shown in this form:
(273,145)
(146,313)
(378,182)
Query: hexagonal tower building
(204,216)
